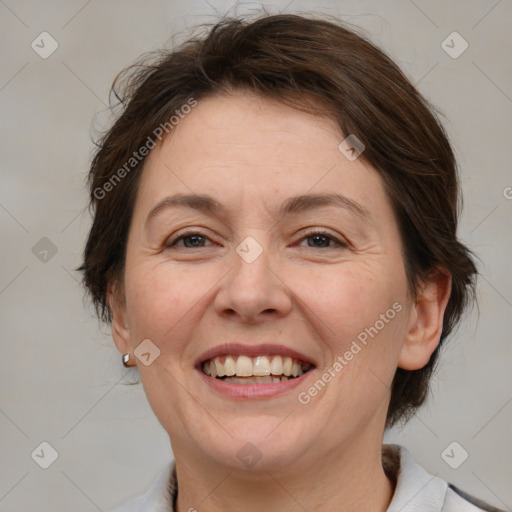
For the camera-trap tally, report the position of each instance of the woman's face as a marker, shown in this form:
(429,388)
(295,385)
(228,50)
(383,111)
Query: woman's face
(300,258)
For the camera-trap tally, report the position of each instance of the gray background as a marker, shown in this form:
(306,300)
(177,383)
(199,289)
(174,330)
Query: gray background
(62,381)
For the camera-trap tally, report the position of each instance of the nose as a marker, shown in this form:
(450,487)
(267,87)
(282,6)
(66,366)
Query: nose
(254,291)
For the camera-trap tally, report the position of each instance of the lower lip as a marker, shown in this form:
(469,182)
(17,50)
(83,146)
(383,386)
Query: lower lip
(254,390)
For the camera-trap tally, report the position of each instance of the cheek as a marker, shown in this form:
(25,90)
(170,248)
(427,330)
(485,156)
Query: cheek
(351,299)
(158,294)
(361,318)
(165,304)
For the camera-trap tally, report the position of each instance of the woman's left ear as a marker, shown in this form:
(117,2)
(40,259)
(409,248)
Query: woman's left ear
(426,321)
(120,328)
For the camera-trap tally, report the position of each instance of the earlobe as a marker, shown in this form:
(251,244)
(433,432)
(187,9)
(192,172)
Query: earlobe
(426,321)
(120,329)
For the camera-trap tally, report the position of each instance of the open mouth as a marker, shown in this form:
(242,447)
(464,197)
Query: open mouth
(241,369)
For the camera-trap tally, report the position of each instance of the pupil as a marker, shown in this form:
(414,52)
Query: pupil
(193,238)
(320,238)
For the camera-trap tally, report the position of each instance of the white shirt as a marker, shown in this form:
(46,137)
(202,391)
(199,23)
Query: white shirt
(416,491)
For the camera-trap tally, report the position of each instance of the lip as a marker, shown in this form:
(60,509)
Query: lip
(248,391)
(267,349)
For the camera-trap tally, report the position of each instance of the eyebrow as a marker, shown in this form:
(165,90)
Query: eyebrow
(297,204)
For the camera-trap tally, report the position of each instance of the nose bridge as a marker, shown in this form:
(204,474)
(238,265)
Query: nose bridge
(251,288)
(252,261)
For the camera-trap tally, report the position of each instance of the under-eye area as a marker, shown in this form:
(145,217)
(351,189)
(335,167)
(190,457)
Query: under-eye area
(264,369)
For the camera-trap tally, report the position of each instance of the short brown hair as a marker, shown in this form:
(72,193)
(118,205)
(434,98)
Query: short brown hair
(294,59)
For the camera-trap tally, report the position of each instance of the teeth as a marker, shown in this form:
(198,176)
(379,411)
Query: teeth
(265,368)
(261,366)
(213,369)
(267,379)
(230,366)
(219,368)
(243,366)
(287,366)
(276,366)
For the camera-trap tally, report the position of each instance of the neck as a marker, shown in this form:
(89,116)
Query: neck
(349,479)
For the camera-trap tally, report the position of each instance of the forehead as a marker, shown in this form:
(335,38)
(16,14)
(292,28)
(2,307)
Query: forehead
(245,146)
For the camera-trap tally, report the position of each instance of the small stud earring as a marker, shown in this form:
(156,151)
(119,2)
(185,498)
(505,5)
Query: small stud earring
(127,362)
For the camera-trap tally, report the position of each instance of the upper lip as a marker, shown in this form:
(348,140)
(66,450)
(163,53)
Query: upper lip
(267,349)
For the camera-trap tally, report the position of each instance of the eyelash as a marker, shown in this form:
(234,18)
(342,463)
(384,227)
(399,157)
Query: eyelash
(310,234)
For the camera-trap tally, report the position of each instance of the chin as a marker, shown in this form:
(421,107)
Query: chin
(264,445)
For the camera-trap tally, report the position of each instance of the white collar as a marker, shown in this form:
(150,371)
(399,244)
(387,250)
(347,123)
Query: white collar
(416,489)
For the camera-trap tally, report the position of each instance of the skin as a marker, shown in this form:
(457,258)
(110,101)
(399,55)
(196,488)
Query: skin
(251,154)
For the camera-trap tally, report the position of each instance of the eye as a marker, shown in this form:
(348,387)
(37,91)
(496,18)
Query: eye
(322,240)
(194,240)
(190,240)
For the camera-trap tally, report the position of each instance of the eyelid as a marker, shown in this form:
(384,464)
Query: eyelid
(341,241)
(170,241)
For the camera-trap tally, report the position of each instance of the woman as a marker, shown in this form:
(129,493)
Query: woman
(274,244)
